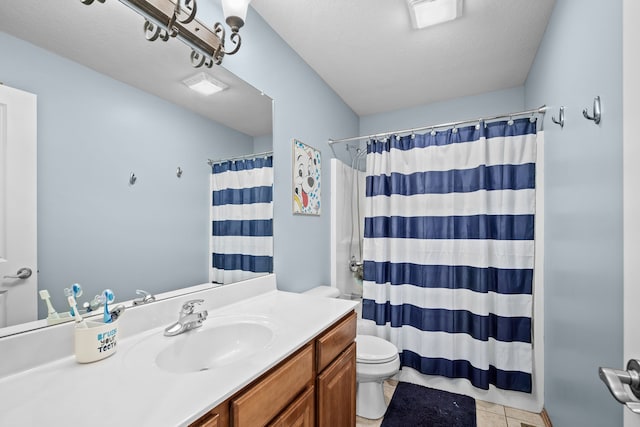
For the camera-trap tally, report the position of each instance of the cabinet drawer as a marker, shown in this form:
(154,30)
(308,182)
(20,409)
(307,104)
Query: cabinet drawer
(262,402)
(217,417)
(333,342)
(301,413)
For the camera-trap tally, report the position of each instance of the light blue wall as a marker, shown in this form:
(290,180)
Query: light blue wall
(262,143)
(93,228)
(581,57)
(305,108)
(470,107)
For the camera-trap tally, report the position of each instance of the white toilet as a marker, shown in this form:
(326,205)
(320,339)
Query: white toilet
(376,360)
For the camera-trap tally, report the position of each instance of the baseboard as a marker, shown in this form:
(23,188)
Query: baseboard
(545,418)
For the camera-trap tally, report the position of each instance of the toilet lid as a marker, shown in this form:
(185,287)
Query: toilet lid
(370,349)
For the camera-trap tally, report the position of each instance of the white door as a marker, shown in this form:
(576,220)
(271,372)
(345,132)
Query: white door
(18,252)
(631,168)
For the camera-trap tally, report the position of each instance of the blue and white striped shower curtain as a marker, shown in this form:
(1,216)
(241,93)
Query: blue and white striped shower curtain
(449,250)
(241,219)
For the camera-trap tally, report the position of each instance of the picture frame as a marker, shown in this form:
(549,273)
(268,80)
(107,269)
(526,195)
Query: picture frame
(306,179)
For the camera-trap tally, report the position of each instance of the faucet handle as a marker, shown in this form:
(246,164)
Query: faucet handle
(145,297)
(189,306)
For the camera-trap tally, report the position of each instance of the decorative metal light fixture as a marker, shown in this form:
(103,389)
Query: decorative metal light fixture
(166,19)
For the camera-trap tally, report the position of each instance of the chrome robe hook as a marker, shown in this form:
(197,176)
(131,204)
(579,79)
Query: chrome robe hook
(597,111)
(560,120)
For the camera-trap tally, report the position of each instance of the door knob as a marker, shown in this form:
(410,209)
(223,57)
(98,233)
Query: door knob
(23,273)
(616,380)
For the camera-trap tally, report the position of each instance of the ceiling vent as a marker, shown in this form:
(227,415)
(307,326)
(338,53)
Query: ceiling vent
(204,84)
(426,13)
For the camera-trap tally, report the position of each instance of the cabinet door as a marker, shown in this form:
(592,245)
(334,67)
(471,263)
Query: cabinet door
(337,391)
(212,421)
(301,413)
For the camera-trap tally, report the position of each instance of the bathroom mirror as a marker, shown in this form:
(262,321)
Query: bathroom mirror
(112,105)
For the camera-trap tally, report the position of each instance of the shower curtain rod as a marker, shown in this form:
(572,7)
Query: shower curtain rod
(540,110)
(246,156)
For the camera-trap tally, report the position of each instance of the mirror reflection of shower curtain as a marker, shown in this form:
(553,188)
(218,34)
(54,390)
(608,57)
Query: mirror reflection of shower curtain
(449,251)
(241,243)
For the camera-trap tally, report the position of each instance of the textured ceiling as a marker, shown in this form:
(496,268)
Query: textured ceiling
(368,52)
(108,38)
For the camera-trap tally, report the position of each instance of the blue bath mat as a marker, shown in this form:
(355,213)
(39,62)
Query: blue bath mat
(414,405)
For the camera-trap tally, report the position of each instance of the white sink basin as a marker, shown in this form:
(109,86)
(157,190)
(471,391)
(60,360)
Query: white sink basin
(219,342)
(214,347)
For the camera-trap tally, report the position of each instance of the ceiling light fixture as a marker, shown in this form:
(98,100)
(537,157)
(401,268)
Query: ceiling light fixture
(204,84)
(425,13)
(166,19)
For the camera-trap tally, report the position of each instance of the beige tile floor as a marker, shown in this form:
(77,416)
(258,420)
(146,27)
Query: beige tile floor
(487,414)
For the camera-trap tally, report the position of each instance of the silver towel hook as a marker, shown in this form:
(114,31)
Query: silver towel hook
(132,178)
(179,172)
(597,111)
(560,120)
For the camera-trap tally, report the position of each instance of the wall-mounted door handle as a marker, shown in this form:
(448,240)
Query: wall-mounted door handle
(23,273)
(616,380)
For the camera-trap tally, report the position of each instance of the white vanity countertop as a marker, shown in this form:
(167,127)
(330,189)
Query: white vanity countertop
(118,391)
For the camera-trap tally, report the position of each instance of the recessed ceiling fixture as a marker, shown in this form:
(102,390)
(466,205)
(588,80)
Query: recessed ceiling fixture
(204,84)
(425,13)
(177,18)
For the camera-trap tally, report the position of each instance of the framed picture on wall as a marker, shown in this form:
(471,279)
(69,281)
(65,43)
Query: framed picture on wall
(306,179)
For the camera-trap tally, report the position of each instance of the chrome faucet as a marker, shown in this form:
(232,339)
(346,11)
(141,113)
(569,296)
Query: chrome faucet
(189,319)
(145,297)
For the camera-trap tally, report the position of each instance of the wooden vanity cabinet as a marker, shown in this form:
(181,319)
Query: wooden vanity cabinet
(336,379)
(316,386)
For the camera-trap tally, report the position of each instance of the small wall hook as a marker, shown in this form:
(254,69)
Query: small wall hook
(560,120)
(597,112)
(132,178)
(179,172)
